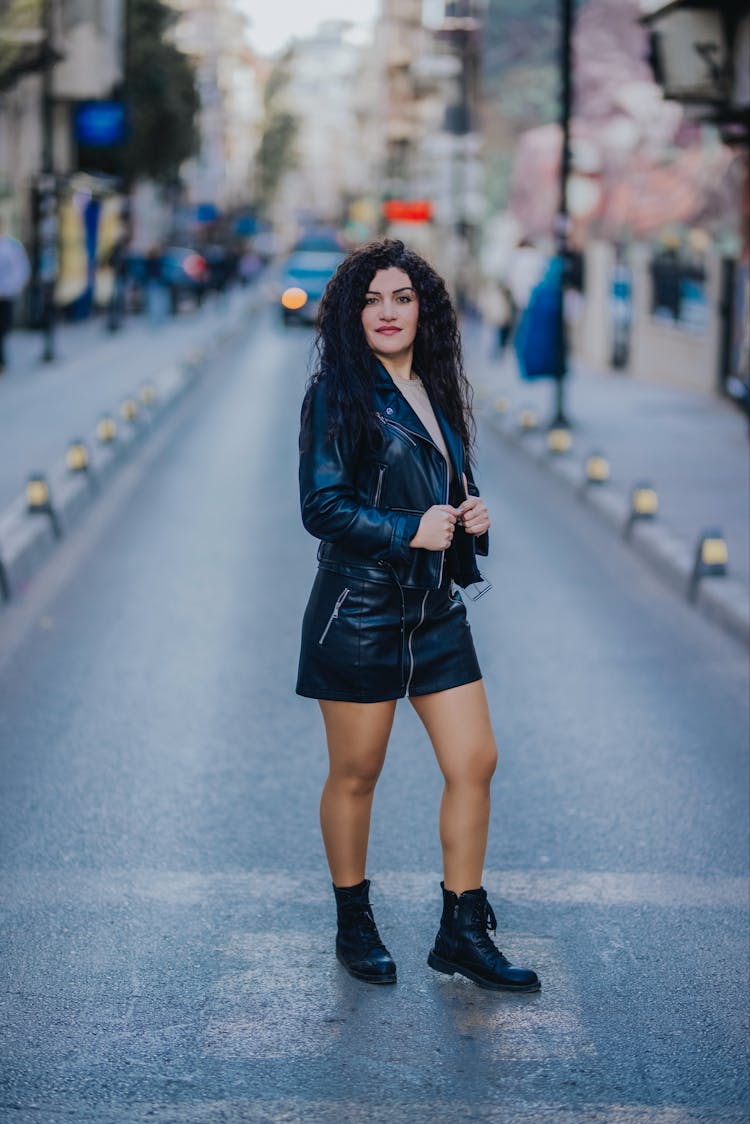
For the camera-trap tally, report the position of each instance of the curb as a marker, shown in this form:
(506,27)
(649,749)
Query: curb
(723,600)
(27,541)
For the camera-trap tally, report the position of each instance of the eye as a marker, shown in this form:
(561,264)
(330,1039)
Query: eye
(404,298)
(371,300)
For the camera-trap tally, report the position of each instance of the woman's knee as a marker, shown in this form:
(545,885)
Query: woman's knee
(475,766)
(355,782)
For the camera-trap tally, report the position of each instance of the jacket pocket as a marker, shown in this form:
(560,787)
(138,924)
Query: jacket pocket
(339,602)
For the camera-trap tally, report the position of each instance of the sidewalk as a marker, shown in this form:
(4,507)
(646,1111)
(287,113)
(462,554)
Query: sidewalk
(43,406)
(692,448)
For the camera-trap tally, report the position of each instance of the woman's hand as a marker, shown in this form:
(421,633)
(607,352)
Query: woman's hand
(475,519)
(435,530)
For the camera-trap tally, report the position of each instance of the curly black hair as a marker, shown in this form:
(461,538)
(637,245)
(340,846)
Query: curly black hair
(344,361)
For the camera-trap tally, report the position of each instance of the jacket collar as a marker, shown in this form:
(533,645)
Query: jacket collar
(394,405)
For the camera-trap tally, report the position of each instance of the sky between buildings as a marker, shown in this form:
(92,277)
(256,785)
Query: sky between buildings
(275,22)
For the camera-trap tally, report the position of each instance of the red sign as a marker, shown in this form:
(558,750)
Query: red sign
(408,210)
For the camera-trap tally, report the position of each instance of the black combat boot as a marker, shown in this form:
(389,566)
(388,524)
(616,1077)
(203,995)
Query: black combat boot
(463,945)
(358,943)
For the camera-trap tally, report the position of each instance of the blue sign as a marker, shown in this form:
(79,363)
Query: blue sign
(206,212)
(100,124)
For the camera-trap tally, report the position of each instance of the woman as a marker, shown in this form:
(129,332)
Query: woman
(386,485)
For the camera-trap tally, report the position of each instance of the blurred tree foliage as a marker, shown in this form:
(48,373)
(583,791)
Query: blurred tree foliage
(520,81)
(276,154)
(161,94)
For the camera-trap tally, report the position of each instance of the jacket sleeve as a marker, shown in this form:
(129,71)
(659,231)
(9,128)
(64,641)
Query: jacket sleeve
(481,542)
(331,509)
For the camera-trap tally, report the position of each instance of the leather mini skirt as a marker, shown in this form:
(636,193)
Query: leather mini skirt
(367,641)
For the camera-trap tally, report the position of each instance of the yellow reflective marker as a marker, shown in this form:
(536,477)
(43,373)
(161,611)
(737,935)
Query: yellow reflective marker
(129,409)
(501,405)
(714,552)
(597,468)
(77,457)
(294,298)
(37,494)
(644,501)
(527,419)
(711,560)
(147,395)
(106,429)
(559,439)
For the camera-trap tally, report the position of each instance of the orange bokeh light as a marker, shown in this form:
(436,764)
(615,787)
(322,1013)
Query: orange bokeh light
(294,298)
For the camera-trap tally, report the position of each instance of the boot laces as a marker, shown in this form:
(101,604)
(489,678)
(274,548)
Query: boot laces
(367,929)
(484,916)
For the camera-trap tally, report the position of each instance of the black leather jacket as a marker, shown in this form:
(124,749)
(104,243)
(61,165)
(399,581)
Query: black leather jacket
(365,503)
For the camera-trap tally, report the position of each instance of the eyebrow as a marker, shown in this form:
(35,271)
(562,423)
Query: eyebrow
(403,289)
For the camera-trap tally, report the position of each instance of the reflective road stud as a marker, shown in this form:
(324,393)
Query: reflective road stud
(596,469)
(711,559)
(644,504)
(129,409)
(39,501)
(559,440)
(147,395)
(77,457)
(527,419)
(106,429)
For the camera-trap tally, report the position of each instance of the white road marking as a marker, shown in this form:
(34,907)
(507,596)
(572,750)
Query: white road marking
(546,887)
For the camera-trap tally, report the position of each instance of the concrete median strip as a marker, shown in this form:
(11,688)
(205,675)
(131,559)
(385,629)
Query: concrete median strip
(27,540)
(724,600)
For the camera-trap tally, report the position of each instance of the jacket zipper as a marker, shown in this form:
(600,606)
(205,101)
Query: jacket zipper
(442,552)
(407,433)
(401,428)
(411,637)
(339,602)
(379,485)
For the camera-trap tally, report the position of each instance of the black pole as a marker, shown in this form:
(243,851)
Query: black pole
(47,199)
(563,219)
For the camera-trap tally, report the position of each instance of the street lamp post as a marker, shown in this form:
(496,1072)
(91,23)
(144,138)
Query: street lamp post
(563,218)
(46,226)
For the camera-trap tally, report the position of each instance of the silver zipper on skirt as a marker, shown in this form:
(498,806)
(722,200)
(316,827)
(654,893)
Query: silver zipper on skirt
(411,637)
(339,602)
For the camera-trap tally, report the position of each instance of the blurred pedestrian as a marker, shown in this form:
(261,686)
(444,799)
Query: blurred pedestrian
(117,263)
(386,483)
(496,306)
(14,274)
(157,295)
(526,268)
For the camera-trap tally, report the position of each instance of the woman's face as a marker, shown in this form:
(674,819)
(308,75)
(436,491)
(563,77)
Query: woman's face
(390,313)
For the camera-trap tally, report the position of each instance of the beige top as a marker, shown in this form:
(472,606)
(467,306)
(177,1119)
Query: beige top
(415,394)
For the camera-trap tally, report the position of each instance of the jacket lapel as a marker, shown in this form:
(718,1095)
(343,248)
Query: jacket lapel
(396,407)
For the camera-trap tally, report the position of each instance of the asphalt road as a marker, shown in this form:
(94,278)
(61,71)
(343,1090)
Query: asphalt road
(168,920)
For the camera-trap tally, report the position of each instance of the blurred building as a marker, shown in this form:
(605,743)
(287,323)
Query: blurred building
(324,93)
(428,132)
(213,33)
(79,47)
(655,188)
(55,58)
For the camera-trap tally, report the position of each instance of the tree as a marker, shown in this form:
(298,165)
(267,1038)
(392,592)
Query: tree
(276,154)
(161,95)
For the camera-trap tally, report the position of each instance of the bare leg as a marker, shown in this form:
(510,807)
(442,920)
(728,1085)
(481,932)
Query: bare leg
(357,736)
(458,723)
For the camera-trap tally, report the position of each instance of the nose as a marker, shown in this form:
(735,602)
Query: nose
(387,310)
